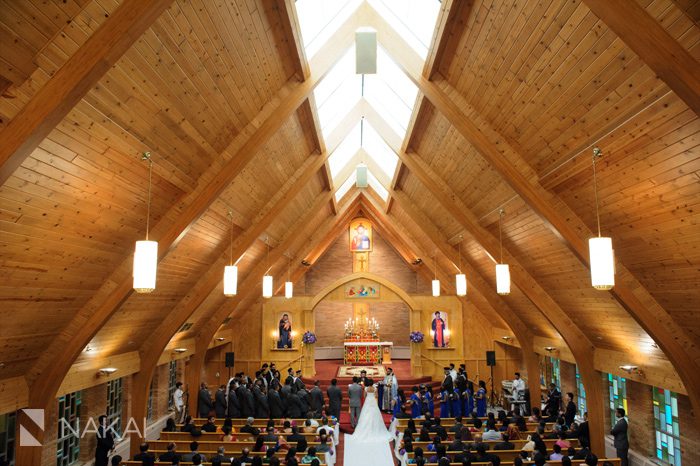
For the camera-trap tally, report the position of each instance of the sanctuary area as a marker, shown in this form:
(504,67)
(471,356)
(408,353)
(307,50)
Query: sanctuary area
(349,232)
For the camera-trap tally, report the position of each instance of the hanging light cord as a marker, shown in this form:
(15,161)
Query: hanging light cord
(147,156)
(500,231)
(289,268)
(596,154)
(459,252)
(230,214)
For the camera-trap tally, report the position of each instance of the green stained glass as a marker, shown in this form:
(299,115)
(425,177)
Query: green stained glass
(667,427)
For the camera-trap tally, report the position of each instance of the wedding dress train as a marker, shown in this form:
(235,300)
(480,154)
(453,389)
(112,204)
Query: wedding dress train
(369,444)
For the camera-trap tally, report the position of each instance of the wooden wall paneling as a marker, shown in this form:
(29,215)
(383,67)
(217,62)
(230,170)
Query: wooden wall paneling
(74,79)
(451,24)
(659,50)
(14,394)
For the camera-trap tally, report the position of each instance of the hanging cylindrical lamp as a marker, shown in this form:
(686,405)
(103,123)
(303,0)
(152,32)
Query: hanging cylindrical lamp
(436,282)
(502,270)
(267,279)
(288,285)
(146,252)
(460,278)
(600,249)
(231,270)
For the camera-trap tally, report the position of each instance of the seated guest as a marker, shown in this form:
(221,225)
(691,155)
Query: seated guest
(440,452)
(245,456)
(505,444)
(464,456)
(513,432)
(556,454)
(566,461)
(539,444)
(292,453)
(571,452)
(194,447)
(444,462)
(457,444)
(439,429)
(539,459)
(324,445)
(458,425)
(406,445)
(536,415)
(520,424)
(197,460)
(308,428)
(411,425)
(189,425)
(324,426)
(483,457)
(170,425)
(270,435)
(437,441)
(116,461)
(286,426)
(171,455)
(310,418)
(477,426)
(209,426)
(227,436)
(424,435)
(220,457)
(269,454)
(591,460)
(260,444)
(417,454)
(249,429)
(491,432)
(257,461)
(561,441)
(144,453)
(309,457)
(295,436)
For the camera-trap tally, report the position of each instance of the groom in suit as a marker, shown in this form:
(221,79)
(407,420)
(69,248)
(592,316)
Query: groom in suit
(355,397)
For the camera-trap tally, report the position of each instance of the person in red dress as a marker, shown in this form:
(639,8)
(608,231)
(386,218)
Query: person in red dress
(439,326)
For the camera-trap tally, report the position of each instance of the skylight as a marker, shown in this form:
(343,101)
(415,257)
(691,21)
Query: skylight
(345,152)
(320,19)
(377,186)
(414,20)
(345,187)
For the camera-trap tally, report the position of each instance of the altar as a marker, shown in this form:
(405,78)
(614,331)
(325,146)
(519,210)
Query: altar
(367,352)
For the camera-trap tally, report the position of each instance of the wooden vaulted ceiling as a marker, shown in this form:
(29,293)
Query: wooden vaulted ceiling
(512,98)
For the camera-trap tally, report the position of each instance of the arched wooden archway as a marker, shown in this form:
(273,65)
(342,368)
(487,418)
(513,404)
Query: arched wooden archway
(369,276)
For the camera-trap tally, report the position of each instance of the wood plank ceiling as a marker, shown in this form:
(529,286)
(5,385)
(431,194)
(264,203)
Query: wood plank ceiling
(551,78)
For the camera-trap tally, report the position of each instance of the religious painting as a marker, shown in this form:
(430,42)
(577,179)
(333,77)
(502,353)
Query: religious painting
(284,332)
(439,331)
(362,290)
(360,235)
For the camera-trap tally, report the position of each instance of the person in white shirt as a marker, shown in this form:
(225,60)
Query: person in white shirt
(491,432)
(518,392)
(179,403)
(453,372)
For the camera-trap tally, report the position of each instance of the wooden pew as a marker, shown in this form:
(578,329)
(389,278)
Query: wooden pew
(212,446)
(517,443)
(168,463)
(601,462)
(214,437)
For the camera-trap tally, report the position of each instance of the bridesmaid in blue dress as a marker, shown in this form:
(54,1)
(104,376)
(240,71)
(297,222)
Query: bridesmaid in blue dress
(481,399)
(415,404)
(444,397)
(455,403)
(468,402)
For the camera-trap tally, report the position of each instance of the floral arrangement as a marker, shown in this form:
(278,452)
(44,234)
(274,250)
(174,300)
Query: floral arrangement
(416,336)
(309,337)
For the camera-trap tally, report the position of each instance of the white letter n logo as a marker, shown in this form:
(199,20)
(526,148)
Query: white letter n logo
(26,439)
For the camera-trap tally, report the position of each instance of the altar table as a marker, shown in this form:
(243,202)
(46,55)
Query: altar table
(367,352)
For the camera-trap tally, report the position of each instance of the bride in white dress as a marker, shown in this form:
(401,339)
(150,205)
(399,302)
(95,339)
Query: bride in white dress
(369,444)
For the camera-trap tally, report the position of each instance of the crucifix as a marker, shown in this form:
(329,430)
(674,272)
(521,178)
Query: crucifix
(360,262)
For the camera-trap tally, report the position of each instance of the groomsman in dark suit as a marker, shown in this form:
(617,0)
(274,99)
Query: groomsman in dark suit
(316,399)
(204,404)
(335,399)
(274,401)
(298,383)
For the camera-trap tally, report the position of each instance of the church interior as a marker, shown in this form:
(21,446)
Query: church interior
(194,190)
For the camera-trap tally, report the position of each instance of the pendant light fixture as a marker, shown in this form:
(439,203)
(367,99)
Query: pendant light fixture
(267,279)
(146,252)
(502,270)
(600,248)
(460,278)
(436,282)
(288,285)
(231,270)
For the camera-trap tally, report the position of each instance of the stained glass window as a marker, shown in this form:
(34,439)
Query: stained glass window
(68,440)
(581,394)
(617,389)
(172,380)
(7,437)
(668,444)
(114,405)
(552,371)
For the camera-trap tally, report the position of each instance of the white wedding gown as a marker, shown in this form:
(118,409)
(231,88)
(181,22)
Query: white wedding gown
(369,444)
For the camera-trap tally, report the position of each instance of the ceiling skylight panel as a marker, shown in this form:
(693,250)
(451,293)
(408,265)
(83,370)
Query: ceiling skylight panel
(413,20)
(320,19)
(345,187)
(345,151)
(380,152)
(377,186)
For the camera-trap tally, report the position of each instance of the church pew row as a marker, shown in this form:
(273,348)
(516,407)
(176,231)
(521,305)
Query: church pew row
(519,444)
(231,447)
(184,463)
(504,455)
(211,453)
(215,437)
(601,462)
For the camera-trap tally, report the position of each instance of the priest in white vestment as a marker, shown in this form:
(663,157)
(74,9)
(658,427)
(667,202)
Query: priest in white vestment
(391,387)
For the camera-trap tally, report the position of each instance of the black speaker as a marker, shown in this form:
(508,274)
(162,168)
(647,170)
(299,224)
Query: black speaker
(490,358)
(229,359)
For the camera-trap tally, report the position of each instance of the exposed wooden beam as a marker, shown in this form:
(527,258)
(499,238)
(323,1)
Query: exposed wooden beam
(292,33)
(53,364)
(672,62)
(73,80)
(680,347)
(451,25)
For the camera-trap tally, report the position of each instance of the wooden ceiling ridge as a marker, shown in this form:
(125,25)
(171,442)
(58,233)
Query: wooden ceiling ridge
(118,287)
(495,149)
(74,79)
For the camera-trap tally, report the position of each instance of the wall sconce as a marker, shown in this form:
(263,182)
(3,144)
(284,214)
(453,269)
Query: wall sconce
(550,349)
(507,338)
(632,369)
(105,371)
(220,338)
(180,350)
